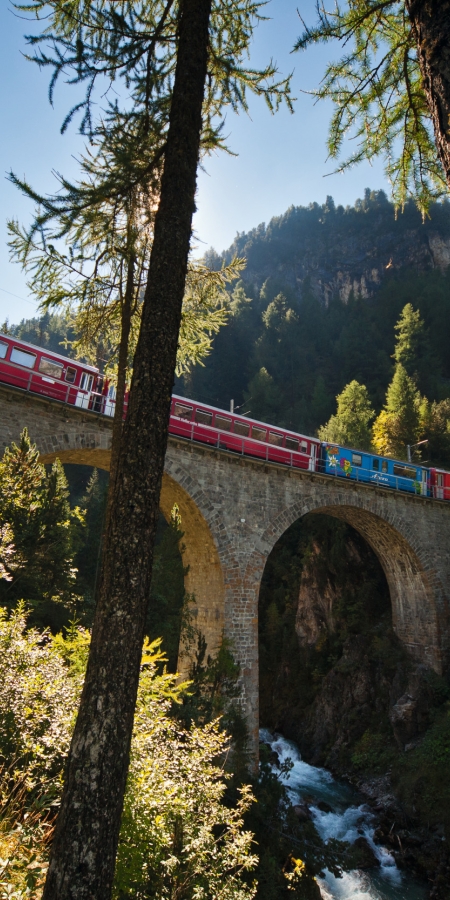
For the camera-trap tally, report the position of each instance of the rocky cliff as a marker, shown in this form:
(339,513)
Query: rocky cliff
(333,251)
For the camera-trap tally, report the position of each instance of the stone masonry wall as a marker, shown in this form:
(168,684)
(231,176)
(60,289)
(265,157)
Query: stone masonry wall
(234,510)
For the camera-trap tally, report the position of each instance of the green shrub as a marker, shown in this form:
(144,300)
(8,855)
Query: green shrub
(178,837)
(373,753)
(422,774)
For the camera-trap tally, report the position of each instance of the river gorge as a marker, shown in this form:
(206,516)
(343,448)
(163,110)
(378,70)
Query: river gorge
(340,812)
(350,700)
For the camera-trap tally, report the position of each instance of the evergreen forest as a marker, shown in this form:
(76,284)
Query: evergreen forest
(285,355)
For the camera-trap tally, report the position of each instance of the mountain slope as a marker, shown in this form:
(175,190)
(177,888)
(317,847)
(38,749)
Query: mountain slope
(336,251)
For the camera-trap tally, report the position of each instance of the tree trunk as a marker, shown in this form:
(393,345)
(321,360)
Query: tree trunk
(430,21)
(125,327)
(86,834)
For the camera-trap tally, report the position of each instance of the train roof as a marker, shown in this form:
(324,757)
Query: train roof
(227,412)
(65,359)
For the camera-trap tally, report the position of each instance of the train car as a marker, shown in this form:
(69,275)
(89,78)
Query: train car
(439,484)
(368,467)
(249,437)
(41,371)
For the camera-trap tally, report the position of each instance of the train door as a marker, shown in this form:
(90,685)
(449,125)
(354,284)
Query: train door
(110,401)
(312,458)
(83,398)
(439,486)
(424,486)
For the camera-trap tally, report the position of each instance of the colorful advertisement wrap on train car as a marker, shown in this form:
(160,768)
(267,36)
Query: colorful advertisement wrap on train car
(341,461)
(366,467)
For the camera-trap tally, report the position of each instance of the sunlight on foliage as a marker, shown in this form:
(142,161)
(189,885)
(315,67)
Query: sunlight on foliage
(179,839)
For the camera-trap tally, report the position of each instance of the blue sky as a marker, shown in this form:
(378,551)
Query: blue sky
(281,159)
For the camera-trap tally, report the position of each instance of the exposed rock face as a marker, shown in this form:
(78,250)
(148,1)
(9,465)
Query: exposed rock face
(317,596)
(355,695)
(359,690)
(367,859)
(410,714)
(315,604)
(351,695)
(336,251)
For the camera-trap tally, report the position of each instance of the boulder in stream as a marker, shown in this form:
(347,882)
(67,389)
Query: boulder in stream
(302,811)
(324,806)
(365,856)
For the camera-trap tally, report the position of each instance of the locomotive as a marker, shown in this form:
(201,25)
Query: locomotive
(33,369)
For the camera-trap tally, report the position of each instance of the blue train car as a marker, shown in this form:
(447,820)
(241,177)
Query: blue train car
(361,465)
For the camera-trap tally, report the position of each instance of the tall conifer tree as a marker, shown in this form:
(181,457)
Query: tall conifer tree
(351,424)
(35,507)
(399,422)
(165,51)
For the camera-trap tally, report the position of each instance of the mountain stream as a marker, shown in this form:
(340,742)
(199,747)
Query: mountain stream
(350,819)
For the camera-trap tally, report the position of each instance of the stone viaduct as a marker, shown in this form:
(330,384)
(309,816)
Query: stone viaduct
(234,510)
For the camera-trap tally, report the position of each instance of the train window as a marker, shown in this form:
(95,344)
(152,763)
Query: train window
(223,423)
(291,444)
(275,438)
(376,465)
(22,358)
(86,382)
(203,417)
(259,434)
(3,349)
(304,446)
(182,411)
(404,471)
(356,459)
(48,367)
(384,466)
(71,374)
(241,428)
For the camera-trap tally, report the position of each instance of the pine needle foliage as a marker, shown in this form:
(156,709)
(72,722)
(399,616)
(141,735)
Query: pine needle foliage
(351,424)
(377,94)
(105,43)
(99,278)
(410,329)
(399,422)
(88,247)
(40,531)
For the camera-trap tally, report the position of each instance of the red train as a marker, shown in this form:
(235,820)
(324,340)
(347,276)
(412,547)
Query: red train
(39,371)
(43,372)
(228,431)
(439,484)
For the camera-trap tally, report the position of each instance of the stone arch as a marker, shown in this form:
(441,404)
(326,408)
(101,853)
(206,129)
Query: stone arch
(204,577)
(82,448)
(412,582)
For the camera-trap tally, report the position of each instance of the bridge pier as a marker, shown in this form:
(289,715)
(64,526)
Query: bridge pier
(235,509)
